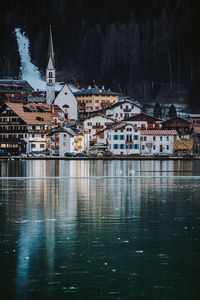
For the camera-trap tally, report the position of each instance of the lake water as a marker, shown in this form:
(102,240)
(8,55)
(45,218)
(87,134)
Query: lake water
(99,230)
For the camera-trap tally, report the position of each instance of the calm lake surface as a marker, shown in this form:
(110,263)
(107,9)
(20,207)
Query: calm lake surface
(99,229)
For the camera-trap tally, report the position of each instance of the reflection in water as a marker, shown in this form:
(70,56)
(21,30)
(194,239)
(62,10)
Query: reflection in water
(51,168)
(99,238)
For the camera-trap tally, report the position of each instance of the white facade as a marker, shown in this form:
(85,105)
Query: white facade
(95,124)
(157,141)
(123,110)
(124,139)
(68,103)
(64,141)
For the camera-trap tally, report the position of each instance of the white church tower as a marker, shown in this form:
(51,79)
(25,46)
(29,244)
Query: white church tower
(50,72)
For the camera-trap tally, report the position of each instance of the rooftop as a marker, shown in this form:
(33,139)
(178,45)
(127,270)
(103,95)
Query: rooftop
(34,113)
(95,91)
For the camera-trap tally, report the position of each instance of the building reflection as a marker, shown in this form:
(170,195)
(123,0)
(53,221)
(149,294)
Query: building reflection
(59,203)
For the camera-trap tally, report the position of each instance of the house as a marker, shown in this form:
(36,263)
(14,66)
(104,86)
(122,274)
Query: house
(145,121)
(66,139)
(194,120)
(95,124)
(24,127)
(157,141)
(180,125)
(122,139)
(12,88)
(67,103)
(92,99)
(122,110)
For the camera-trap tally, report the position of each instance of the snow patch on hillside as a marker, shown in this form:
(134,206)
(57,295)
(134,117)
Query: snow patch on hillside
(29,71)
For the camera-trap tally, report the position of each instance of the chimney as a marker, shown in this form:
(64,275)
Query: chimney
(52,108)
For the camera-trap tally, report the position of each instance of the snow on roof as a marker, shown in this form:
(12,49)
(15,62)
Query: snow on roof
(95,91)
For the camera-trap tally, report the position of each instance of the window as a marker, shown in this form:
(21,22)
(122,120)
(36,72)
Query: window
(143,147)
(154,147)
(97,123)
(33,146)
(129,129)
(50,81)
(42,136)
(141,138)
(33,135)
(167,147)
(145,138)
(167,138)
(50,75)
(115,146)
(129,138)
(120,106)
(89,124)
(121,115)
(135,137)
(116,115)
(154,138)
(41,145)
(121,137)
(64,144)
(96,101)
(160,138)
(115,137)
(121,146)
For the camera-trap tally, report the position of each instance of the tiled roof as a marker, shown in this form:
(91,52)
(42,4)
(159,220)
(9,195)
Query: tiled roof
(143,117)
(95,91)
(37,114)
(197,129)
(158,132)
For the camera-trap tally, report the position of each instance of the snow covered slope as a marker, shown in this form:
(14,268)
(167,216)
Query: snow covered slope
(29,71)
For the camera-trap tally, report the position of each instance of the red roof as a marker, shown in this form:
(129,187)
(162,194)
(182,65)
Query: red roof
(197,130)
(158,132)
(143,117)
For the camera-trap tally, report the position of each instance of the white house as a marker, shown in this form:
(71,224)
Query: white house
(157,141)
(122,110)
(122,139)
(62,140)
(95,124)
(67,102)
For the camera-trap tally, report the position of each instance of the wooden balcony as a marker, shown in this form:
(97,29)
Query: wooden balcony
(97,126)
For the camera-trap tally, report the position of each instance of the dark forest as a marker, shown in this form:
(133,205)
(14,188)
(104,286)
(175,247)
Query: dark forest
(126,45)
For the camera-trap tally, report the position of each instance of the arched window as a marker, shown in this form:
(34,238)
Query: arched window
(50,75)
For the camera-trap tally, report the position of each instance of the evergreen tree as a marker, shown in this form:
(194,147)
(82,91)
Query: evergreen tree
(157,111)
(172,111)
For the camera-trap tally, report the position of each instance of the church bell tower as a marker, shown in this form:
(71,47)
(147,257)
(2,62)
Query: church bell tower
(50,72)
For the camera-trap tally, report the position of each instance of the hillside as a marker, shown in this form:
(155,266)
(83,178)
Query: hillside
(125,45)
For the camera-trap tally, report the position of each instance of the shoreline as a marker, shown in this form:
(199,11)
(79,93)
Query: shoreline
(102,158)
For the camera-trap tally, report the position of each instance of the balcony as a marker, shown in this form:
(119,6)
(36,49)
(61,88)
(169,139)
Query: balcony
(78,140)
(97,126)
(55,148)
(13,131)
(126,110)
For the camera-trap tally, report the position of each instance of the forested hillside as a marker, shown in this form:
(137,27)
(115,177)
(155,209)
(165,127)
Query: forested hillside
(125,45)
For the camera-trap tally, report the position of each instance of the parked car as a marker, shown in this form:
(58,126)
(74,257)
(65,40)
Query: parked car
(69,154)
(36,154)
(80,155)
(107,154)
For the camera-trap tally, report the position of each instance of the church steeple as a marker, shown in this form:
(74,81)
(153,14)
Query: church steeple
(50,72)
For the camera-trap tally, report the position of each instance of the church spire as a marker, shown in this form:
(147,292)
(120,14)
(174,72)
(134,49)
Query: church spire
(50,72)
(50,48)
